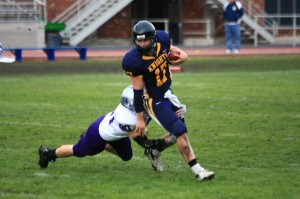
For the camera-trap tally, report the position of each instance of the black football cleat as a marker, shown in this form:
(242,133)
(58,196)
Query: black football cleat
(44,157)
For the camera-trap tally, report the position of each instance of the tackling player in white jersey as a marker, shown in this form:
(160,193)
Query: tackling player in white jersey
(109,132)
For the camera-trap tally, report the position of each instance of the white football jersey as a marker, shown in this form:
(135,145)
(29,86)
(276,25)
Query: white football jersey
(117,124)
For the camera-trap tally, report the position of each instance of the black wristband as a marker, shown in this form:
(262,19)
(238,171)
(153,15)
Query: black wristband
(138,100)
(159,144)
(142,141)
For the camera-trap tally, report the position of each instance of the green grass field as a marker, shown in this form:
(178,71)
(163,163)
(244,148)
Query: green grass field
(243,121)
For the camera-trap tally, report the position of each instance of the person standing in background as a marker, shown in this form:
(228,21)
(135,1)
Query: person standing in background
(232,14)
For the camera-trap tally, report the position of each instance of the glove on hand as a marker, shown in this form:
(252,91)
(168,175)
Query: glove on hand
(181,111)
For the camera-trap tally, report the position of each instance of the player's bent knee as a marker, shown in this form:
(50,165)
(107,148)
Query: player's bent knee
(178,128)
(126,158)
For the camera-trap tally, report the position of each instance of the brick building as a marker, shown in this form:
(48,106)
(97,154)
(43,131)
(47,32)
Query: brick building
(185,20)
(189,22)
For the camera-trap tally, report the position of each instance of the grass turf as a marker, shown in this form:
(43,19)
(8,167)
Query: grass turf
(243,123)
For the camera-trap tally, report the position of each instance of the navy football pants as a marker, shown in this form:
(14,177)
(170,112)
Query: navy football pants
(91,143)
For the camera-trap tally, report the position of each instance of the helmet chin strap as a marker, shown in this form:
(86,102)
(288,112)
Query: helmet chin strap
(150,52)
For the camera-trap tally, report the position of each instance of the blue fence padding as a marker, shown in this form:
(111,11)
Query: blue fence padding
(50,52)
(18,54)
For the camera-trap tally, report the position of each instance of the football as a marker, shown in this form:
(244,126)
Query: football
(173,55)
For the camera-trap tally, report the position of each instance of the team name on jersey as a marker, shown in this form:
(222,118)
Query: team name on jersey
(160,61)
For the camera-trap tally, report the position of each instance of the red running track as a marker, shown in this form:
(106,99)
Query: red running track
(193,51)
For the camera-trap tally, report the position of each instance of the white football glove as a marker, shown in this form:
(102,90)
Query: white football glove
(181,111)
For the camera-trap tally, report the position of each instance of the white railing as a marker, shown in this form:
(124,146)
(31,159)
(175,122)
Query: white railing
(253,10)
(87,16)
(25,11)
(73,10)
(292,29)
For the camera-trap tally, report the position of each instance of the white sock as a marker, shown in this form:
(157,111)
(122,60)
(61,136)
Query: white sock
(197,168)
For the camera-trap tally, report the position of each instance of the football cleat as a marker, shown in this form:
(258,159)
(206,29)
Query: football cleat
(205,175)
(154,157)
(44,157)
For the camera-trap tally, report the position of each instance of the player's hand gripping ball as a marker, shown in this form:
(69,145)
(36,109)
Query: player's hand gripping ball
(173,56)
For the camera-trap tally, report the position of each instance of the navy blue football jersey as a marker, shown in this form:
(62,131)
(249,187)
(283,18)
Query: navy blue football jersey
(154,69)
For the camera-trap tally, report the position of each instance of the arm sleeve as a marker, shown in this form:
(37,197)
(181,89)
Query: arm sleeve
(138,100)
(241,13)
(142,141)
(158,144)
(240,9)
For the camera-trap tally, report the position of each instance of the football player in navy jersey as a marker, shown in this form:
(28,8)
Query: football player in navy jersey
(109,132)
(147,64)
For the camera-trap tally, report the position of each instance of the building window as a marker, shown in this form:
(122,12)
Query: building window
(283,7)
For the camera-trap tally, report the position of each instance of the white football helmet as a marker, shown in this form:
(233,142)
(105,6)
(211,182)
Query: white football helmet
(127,98)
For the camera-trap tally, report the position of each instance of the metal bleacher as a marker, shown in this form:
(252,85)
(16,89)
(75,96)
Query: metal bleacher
(84,17)
(22,23)
(23,29)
